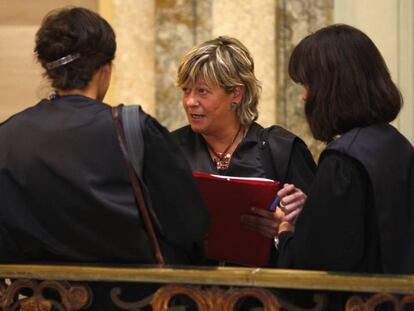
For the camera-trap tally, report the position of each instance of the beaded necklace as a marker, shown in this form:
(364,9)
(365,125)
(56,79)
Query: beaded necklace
(222,159)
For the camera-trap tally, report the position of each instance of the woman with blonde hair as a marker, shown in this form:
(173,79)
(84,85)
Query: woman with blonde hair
(220,97)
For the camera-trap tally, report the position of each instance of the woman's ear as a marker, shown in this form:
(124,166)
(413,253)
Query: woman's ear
(107,68)
(238,93)
(103,81)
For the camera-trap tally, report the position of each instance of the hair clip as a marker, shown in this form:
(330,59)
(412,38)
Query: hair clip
(62,61)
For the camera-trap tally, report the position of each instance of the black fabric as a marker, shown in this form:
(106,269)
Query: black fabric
(361,197)
(273,153)
(279,148)
(173,192)
(388,159)
(65,194)
(331,232)
(259,154)
(359,213)
(288,152)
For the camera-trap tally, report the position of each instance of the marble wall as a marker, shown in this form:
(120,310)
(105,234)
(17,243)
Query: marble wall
(180,25)
(149,51)
(295,20)
(153,35)
(394,37)
(253,23)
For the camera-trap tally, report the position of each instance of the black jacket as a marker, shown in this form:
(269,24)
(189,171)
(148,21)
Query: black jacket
(65,195)
(273,153)
(359,215)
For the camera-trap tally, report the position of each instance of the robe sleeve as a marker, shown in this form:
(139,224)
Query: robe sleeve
(175,199)
(330,231)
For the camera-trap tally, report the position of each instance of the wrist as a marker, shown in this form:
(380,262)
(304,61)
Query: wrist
(285,226)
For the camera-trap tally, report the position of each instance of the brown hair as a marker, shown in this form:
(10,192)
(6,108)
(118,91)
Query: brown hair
(348,80)
(72,31)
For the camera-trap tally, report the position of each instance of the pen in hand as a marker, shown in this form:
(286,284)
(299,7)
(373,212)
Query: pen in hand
(274,204)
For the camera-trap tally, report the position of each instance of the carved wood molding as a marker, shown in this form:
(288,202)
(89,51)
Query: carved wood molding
(356,303)
(211,299)
(29,295)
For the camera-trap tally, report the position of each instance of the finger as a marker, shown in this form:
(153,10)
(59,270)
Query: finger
(259,221)
(266,232)
(292,216)
(287,188)
(294,196)
(293,206)
(264,213)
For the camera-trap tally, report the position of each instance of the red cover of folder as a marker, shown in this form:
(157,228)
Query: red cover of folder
(227,198)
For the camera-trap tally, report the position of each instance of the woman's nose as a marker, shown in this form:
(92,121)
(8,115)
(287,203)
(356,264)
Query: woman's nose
(190,100)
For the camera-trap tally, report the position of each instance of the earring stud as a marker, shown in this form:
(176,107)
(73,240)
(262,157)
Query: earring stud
(233,105)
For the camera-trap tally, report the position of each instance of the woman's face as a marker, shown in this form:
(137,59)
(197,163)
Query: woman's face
(208,109)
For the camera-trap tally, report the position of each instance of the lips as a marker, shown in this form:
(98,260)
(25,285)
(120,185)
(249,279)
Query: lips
(197,116)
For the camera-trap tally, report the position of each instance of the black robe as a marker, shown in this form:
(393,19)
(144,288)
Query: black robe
(248,160)
(65,195)
(255,156)
(359,215)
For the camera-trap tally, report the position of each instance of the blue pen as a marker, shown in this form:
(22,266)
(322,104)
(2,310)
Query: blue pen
(275,203)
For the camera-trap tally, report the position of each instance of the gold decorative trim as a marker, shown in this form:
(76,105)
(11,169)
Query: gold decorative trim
(211,299)
(32,295)
(356,303)
(247,277)
(27,295)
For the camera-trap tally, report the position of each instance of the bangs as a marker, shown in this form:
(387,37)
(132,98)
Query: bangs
(297,65)
(202,67)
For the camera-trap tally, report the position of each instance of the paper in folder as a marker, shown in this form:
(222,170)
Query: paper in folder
(227,198)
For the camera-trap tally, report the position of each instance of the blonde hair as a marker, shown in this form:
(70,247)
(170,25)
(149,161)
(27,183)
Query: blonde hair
(224,62)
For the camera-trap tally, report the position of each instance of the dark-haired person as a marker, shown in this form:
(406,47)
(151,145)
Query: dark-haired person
(220,97)
(359,214)
(64,188)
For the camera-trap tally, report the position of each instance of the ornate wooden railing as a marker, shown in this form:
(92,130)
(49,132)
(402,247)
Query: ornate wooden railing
(218,289)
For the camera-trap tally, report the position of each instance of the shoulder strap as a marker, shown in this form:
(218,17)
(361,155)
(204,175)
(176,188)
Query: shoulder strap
(275,151)
(136,185)
(131,123)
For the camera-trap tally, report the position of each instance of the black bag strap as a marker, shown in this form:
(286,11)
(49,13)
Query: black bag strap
(136,186)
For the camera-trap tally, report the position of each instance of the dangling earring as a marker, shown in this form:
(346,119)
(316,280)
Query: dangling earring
(233,105)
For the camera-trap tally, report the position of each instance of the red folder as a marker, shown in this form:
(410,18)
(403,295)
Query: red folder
(227,198)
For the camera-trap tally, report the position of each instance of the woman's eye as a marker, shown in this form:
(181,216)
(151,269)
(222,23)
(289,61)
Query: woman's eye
(202,91)
(186,90)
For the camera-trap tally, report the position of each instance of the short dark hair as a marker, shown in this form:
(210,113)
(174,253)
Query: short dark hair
(70,31)
(348,80)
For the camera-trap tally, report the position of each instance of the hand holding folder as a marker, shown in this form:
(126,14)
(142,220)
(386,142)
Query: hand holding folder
(228,198)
